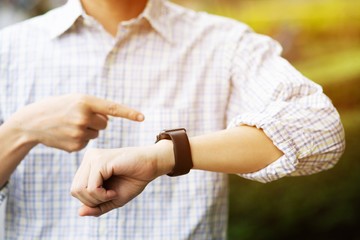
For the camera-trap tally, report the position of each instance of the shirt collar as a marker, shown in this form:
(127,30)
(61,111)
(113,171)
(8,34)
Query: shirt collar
(159,17)
(155,12)
(68,14)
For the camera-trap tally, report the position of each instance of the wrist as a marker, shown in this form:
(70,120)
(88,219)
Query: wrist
(16,130)
(181,147)
(165,158)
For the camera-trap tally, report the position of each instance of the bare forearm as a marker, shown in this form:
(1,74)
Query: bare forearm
(238,150)
(14,146)
(242,149)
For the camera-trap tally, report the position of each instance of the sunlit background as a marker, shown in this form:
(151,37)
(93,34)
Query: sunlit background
(322,39)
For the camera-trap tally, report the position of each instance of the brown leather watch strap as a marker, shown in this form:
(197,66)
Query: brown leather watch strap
(182,151)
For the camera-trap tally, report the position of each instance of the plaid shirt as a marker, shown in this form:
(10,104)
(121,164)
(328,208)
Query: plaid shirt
(181,69)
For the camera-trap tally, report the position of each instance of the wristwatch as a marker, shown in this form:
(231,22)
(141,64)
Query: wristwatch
(182,151)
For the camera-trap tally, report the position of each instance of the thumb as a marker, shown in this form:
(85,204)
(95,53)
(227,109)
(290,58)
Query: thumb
(98,210)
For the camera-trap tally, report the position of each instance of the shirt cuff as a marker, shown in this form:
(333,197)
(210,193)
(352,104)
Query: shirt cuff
(283,166)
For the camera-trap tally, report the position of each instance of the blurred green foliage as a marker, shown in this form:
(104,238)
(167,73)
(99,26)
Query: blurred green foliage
(320,206)
(321,38)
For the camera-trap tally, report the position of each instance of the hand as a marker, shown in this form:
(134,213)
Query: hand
(68,122)
(110,178)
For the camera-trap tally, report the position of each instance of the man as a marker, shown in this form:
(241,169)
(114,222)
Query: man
(245,110)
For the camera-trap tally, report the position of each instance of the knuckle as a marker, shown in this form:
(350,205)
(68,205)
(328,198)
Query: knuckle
(91,191)
(76,97)
(76,146)
(80,97)
(82,121)
(129,115)
(81,144)
(104,125)
(77,135)
(75,191)
(80,100)
(132,115)
(69,148)
(90,154)
(96,134)
(112,108)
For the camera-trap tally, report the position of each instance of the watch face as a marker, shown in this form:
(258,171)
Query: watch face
(173,130)
(165,134)
(161,136)
(158,138)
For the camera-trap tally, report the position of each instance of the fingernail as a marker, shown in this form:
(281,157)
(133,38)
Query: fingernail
(140,117)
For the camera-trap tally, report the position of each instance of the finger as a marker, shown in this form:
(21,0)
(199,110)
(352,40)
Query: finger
(101,195)
(106,107)
(80,181)
(95,185)
(97,211)
(98,173)
(88,200)
(98,122)
(81,192)
(89,211)
(91,134)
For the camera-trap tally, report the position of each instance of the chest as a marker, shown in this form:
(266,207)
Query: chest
(174,86)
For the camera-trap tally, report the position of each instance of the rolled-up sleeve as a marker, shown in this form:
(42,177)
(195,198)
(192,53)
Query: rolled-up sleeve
(270,94)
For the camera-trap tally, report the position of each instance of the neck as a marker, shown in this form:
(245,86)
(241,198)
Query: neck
(110,13)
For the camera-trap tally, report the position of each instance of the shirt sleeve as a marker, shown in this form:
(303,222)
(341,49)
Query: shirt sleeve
(270,94)
(3,198)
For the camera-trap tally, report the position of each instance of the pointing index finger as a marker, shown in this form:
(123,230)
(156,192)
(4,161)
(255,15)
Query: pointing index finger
(106,107)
